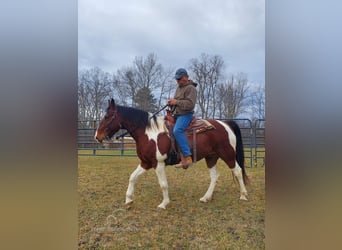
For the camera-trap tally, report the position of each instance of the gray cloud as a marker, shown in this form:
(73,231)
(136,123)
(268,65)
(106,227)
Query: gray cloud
(112,33)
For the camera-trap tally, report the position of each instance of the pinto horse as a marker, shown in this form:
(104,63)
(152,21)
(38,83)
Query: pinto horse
(153,145)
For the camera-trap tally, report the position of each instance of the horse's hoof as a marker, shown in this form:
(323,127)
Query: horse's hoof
(204,200)
(128,202)
(162,207)
(243,198)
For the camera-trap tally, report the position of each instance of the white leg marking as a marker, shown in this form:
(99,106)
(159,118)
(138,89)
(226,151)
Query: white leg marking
(160,171)
(213,179)
(238,173)
(132,180)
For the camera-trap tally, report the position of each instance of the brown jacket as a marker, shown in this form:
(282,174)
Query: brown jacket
(186,98)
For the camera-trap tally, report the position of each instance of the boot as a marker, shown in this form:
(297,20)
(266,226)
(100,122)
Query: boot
(185,162)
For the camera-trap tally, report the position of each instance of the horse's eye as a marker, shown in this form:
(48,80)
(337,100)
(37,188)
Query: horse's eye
(106,117)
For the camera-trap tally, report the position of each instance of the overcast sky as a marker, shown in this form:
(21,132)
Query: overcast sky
(112,33)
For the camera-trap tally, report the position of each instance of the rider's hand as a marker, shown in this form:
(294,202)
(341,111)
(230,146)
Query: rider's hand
(172,102)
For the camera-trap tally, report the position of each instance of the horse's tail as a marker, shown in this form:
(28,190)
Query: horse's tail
(240,157)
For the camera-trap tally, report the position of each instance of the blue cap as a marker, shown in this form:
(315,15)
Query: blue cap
(179,73)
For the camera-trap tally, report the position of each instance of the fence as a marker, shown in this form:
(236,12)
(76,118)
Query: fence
(253,137)
(87,145)
(259,143)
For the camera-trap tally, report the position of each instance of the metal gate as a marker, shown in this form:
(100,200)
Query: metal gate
(259,143)
(87,146)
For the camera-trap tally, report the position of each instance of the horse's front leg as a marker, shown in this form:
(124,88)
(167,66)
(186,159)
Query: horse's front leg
(132,180)
(160,171)
(213,179)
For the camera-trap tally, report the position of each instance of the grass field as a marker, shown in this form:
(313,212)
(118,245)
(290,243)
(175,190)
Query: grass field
(223,223)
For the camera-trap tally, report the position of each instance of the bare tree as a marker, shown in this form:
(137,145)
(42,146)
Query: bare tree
(167,87)
(257,103)
(125,85)
(146,84)
(94,88)
(233,97)
(206,71)
(221,98)
(148,71)
(145,75)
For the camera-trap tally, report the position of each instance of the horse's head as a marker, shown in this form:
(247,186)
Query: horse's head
(110,123)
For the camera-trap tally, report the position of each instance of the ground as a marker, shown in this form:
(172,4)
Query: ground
(225,222)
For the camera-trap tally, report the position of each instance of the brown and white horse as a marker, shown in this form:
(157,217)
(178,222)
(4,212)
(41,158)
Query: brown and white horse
(153,145)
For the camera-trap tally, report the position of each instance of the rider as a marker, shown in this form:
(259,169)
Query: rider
(184,102)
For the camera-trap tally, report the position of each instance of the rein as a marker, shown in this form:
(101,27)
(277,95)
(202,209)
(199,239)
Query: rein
(153,115)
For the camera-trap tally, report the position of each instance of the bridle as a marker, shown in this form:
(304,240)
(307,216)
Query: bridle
(112,118)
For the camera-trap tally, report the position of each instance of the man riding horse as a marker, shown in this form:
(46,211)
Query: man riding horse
(183,102)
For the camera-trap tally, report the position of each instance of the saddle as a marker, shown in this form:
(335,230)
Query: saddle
(195,127)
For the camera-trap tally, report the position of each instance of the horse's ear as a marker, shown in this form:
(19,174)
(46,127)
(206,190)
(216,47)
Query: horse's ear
(111,103)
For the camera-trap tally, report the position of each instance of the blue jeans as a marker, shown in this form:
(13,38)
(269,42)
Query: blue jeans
(182,122)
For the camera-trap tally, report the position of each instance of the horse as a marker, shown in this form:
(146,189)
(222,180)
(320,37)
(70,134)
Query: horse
(153,145)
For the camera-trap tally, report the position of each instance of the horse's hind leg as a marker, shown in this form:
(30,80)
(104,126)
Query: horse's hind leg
(237,171)
(132,180)
(211,163)
(160,171)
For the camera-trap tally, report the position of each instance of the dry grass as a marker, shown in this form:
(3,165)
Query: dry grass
(223,223)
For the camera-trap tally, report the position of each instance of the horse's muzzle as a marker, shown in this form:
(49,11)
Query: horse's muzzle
(97,139)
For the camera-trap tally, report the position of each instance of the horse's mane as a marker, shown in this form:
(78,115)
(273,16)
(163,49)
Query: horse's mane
(136,116)
(141,118)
